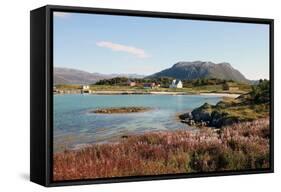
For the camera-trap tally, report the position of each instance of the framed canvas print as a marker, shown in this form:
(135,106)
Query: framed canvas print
(123,95)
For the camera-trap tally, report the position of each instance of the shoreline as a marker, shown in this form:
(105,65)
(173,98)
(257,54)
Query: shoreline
(219,94)
(231,95)
(140,93)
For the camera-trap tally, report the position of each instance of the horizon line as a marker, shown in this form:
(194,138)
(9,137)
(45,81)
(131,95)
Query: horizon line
(223,62)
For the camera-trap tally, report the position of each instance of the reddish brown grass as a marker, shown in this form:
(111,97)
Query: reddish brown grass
(237,147)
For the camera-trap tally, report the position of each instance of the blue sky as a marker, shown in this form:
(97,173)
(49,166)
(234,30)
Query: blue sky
(121,44)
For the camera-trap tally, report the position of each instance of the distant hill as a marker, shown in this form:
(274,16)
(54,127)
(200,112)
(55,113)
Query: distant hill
(75,76)
(200,69)
(133,75)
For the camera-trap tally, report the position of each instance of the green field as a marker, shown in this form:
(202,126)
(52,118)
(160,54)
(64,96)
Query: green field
(189,86)
(192,90)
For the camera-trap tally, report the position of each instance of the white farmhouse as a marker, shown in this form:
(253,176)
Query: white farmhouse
(85,87)
(176,84)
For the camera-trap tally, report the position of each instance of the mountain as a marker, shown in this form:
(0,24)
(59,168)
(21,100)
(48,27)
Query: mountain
(75,76)
(200,69)
(128,75)
(180,70)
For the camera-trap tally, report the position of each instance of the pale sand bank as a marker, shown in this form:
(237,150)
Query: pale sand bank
(166,93)
(140,92)
(221,94)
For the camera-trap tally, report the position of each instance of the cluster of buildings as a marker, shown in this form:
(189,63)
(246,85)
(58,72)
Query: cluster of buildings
(144,85)
(175,84)
(86,88)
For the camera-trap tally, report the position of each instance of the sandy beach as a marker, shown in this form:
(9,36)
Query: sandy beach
(221,94)
(140,92)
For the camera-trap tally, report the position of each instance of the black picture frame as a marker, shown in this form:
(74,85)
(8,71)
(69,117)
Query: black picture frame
(41,101)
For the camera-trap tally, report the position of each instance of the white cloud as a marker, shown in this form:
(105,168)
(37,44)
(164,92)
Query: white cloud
(61,14)
(140,53)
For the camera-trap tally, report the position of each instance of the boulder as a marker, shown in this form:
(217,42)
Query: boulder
(185,116)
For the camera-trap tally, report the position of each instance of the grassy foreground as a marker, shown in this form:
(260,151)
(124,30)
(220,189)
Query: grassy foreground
(236,147)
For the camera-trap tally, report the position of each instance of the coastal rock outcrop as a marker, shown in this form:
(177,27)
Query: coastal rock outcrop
(207,115)
(202,113)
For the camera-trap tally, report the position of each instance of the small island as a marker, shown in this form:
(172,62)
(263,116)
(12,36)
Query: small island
(121,110)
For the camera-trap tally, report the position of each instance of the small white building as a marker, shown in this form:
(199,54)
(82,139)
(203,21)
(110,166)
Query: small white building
(85,87)
(176,84)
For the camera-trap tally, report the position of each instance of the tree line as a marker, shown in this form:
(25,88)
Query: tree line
(163,81)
